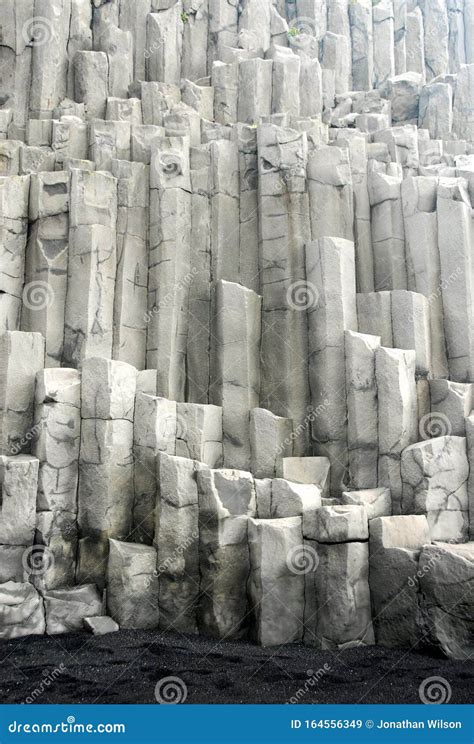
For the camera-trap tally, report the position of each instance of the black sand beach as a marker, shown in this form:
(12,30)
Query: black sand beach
(125,667)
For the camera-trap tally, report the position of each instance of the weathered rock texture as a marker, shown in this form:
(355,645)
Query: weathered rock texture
(236,305)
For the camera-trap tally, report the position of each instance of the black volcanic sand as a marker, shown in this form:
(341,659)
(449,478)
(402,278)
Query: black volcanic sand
(124,667)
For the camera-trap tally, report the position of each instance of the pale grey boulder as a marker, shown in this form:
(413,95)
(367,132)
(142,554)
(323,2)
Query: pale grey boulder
(57,441)
(296,500)
(176,538)
(22,356)
(132,585)
(403,91)
(56,538)
(92,266)
(271,443)
(283,211)
(446,608)
(463,124)
(164,44)
(402,142)
(384,51)
(341,523)
(315,470)
(130,301)
(275,588)
(397,415)
(154,431)
(21,611)
(436,110)
(414,42)
(226,500)
(361,29)
(91,70)
(395,546)
(18,486)
(343,617)
(199,433)
(376,501)
(66,609)
(362,412)
(105,469)
(100,625)
(419,197)
(45,288)
(330,271)
(108,389)
(169,263)
(436,34)
(330,190)
(434,474)
(454,240)
(255,78)
(411,327)
(336,55)
(235,371)
(388,236)
(11,563)
(450,404)
(374,315)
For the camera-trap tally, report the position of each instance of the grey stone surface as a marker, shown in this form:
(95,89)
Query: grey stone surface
(66,609)
(236,316)
(132,585)
(434,475)
(395,546)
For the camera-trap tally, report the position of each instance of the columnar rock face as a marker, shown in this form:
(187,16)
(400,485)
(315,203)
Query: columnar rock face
(226,501)
(434,477)
(276,592)
(57,446)
(395,546)
(446,606)
(236,318)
